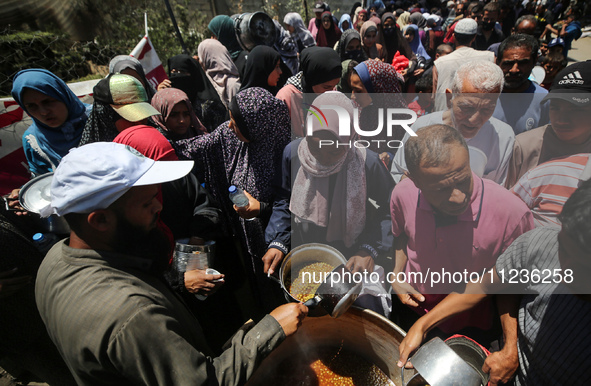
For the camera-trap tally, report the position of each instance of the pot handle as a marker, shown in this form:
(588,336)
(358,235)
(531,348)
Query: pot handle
(275,279)
(313,303)
(402,374)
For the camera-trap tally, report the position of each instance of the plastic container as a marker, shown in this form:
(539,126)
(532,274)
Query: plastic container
(238,197)
(44,241)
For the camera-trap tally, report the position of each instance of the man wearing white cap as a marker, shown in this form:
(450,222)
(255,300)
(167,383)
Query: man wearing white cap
(445,67)
(112,319)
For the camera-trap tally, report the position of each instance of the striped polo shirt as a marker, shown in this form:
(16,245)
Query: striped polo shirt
(554,326)
(545,188)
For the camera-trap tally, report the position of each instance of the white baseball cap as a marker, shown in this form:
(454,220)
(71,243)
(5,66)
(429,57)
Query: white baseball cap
(96,175)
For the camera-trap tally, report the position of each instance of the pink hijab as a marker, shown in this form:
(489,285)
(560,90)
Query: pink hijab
(165,100)
(220,69)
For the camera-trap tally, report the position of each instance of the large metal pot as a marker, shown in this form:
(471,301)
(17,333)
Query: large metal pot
(35,195)
(254,29)
(361,331)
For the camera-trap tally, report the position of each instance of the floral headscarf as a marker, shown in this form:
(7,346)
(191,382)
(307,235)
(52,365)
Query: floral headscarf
(301,33)
(223,160)
(381,78)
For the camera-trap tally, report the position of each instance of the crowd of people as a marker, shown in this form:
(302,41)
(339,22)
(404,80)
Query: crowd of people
(492,176)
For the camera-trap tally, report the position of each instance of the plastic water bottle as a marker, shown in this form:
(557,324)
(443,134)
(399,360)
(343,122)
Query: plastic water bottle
(237,196)
(44,242)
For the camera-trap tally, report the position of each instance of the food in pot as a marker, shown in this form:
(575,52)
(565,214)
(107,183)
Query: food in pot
(327,367)
(304,287)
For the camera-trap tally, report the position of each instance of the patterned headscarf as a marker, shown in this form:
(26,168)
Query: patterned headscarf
(381,78)
(220,69)
(287,48)
(223,160)
(301,32)
(100,126)
(164,101)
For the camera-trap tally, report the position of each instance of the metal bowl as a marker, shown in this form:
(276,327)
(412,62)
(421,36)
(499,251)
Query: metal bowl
(304,255)
(35,195)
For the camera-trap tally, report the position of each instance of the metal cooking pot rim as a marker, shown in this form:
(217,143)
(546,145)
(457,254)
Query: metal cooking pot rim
(34,195)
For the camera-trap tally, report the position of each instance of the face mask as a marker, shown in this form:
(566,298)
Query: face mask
(356,55)
(389,32)
(488,25)
(185,84)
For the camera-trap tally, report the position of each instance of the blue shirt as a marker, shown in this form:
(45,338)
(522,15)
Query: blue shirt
(523,111)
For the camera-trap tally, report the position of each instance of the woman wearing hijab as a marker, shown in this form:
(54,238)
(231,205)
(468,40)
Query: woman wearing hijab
(127,65)
(345,22)
(419,20)
(375,77)
(371,47)
(392,40)
(186,74)
(435,34)
(120,102)
(295,25)
(220,69)
(262,69)
(329,34)
(354,12)
(361,17)
(244,152)
(344,84)
(288,50)
(327,191)
(58,118)
(222,28)
(403,20)
(411,34)
(320,72)
(177,120)
(349,47)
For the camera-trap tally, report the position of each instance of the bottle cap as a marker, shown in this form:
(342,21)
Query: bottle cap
(38,237)
(232,189)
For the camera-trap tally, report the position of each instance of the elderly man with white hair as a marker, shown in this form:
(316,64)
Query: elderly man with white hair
(475,89)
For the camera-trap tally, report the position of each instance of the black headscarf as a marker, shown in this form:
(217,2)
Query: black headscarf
(392,40)
(346,37)
(196,84)
(319,65)
(259,64)
(204,98)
